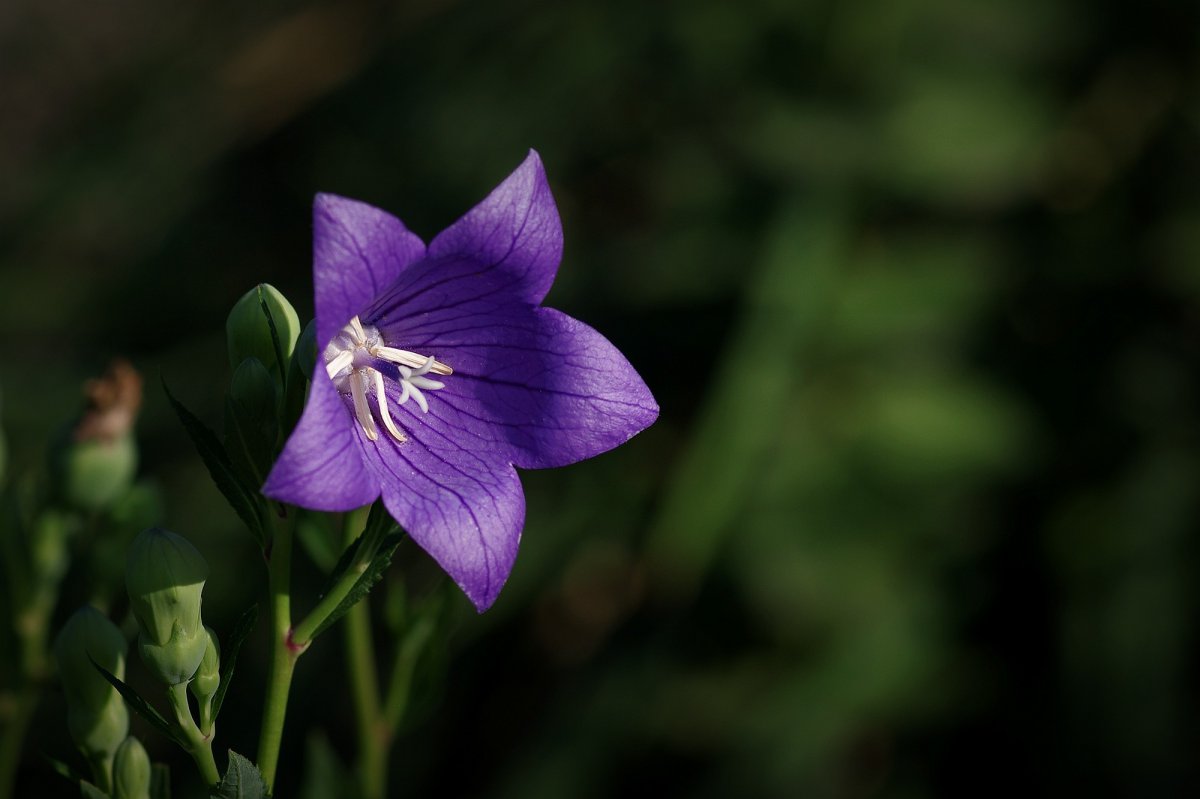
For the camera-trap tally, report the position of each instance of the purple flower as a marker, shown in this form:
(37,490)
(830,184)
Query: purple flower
(443,372)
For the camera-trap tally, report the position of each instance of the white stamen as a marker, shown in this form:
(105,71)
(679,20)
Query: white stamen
(412,359)
(381,398)
(361,409)
(347,362)
(419,397)
(339,362)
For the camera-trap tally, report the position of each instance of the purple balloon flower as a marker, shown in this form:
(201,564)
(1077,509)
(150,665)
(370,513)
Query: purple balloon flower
(442,372)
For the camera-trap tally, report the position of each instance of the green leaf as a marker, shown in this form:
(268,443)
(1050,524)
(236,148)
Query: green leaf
(324,773)
(275,340)
(141,706)
(244,626)
(372,574)
(160,781)
(246,501)
(250,454)
(64,770)
(89,791)
(378,527)
(343,563)
(242,780)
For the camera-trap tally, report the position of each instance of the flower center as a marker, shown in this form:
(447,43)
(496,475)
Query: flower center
(353,361)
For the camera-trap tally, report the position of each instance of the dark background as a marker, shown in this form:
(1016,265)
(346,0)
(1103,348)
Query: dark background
(915,282)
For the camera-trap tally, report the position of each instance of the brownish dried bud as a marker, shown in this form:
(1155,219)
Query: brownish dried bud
(113,402)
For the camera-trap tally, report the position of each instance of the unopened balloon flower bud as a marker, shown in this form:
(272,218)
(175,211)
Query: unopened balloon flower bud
(248,333)
(254,390)
(165,576)
(131,771)
(96,714)
(306,349)
(251,420)
(207,679)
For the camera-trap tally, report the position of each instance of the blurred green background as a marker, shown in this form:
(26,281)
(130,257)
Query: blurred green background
(915,282)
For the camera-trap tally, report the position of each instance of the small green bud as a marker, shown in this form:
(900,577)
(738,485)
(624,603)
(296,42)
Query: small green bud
(256,394)
(208,678)
(93,474)
(96,714)
(131,771)
(165,576)
(306,349)
(248,333)
(251,420)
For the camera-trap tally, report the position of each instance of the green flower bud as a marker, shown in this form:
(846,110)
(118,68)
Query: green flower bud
(306,349)
(248,333)
(208,678)
(91,475)
(96,714)
(131,771)
(95,461)
(251,422)
(165,576)
(256,394)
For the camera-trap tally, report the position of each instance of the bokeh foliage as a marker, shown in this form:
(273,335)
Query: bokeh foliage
(916,283)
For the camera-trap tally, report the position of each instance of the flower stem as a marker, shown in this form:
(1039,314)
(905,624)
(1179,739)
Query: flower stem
(355,521)
(199,744)
(400,684)
(102,771)
(14,725)
(284,652)
(32,627)
(373,739)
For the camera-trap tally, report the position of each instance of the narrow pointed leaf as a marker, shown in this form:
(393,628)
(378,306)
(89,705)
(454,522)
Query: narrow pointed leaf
(275,340)
(140,706)
(379,527)
(160,781)
(229,656)
(89,791)
(64,770)
(244,500)
(372,575)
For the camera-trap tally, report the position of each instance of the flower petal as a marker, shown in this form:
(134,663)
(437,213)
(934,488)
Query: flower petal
(463,506)
(537,386)
(321,466)
(357,251)
(515,230)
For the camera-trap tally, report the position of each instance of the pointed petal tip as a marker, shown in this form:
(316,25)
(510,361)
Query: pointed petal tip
(515,229)
(482,602)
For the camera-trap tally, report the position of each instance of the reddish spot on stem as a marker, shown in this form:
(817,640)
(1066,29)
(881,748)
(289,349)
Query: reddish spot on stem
(291,644)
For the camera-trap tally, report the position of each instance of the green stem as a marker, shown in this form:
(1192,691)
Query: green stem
(372,737)
(102,771)
(400,684)
(32,626)
(284,652)
(199,745)
(13,737)
(303,633)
